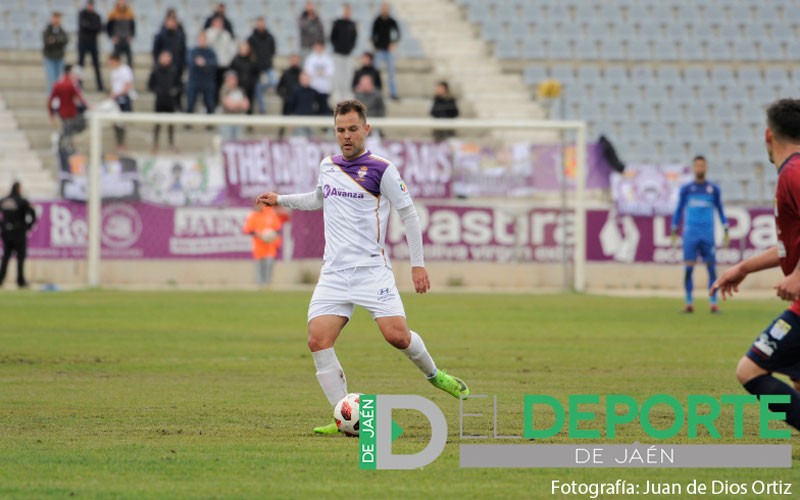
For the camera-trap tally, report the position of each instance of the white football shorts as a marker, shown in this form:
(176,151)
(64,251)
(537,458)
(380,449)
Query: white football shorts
(373,288)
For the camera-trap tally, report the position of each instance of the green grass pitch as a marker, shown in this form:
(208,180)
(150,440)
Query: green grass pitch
(213,395)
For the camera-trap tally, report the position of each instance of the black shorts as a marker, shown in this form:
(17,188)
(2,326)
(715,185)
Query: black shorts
(777,348)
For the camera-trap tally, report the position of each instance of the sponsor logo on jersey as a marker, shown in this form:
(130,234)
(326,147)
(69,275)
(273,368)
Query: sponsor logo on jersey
(765,345)
(403,187)
(328,190)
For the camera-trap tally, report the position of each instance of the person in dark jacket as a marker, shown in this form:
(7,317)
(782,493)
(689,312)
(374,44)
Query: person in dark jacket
(385,35)
(444,106)
(311,30)
(89,27)
(290,80)
(219,11)
(121,28)
(343,38)
(246,69)
(55,41)
(171,39)
(367,68)
(18,218)
(262,45)
(202,76)
(304,102)
(165,83)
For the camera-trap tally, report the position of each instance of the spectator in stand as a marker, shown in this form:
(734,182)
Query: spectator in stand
(202,75)
(367,68)
(121,28)
(224,47)
(219,11)
(444,106)
(262,45)
(171,13)
(68,92)
(319,66)
(232,101)
(165,83)
(304,102)
(289,82)
(246,69)
(172,39)
(55,42)
(311,30)
(18,218)
(370,97)
(343,39)
(385,35)
(89,27)
(264,224)
(121,92)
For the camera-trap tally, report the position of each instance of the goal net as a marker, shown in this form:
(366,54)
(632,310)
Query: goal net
(501,202)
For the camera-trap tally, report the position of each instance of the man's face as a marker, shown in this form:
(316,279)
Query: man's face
(347,11)
(366,61)
(55,20)
(351,133)
(201,40)
(385,9)
(171,24)
(261,25)
(294,60)
(700,167)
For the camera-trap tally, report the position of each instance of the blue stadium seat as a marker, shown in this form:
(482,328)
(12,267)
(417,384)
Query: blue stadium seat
(774,76)
(745,50)
(665,50)
(693,47)
(695,76)
(682,94)
(618,74)
(506,48)
(533,74)
(737,95)
(563,73)
(723,76)
(638,51)
(718,50)
(558,51)
(725,113)
(642,75)
(772,51)
(612,50)
(672,115)
(586,50)
(533,48)
(587,73)
(603,94)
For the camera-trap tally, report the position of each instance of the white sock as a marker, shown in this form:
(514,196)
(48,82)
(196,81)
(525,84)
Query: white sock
(330,375)
(419,355)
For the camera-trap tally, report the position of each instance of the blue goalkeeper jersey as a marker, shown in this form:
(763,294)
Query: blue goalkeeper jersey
(696,206)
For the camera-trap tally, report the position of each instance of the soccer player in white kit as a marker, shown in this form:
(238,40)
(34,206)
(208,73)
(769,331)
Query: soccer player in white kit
(356,191)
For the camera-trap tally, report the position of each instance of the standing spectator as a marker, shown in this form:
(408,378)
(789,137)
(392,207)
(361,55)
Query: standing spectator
(444,106)
(232,101)
(223,45)
(165,83)
(121,28)
(67,91)
(219,11)
(385,35)
(367,68)
(311,30)
(121,92)
(264,224)
(55,41)
(262,45)
(370,97)
(18,219)
(172,39)
(304,102)
(289,82)
(202,75)
(343,38)
(319,66)
(89,26)
(246,69)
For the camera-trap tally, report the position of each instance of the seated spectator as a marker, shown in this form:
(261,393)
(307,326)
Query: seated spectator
(370,97)
(202,75)
(219,11)
(121,28)
(165,83)
(319,66)
(444,106)
(244,64)
(311,30)
(223,45)
(304,102)
(68,93)
(232,101)
(367,68)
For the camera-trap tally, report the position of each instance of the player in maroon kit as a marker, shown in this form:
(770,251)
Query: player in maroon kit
(777,348)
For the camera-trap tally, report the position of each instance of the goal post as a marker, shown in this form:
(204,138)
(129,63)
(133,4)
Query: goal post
(537,130)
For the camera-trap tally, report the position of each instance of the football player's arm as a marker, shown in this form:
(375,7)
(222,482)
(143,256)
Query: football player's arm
(304,201)
(676,217)
(728,282)
(394,189)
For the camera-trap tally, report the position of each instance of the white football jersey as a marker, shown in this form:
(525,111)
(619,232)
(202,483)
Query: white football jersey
(357,197)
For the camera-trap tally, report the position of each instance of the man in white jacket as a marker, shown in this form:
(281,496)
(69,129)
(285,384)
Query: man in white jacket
(319,66)
(223,45)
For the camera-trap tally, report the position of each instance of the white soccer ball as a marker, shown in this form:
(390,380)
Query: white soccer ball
(346,414)
(268,236)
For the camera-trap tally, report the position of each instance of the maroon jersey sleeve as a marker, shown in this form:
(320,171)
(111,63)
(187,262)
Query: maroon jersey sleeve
(786,215)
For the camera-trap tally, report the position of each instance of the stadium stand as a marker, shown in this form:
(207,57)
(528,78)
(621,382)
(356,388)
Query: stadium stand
(26,134)
(691,77)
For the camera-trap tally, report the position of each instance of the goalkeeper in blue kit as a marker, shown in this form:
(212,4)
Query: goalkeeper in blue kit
(696,205)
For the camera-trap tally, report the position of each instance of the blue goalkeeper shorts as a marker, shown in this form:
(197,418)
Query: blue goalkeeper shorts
(703,248)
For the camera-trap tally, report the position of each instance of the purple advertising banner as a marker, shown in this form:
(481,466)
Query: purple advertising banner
(451,233)
(648,189)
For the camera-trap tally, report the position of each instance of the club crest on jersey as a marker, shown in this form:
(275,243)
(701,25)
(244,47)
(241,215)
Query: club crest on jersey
(328,190)
(362,172)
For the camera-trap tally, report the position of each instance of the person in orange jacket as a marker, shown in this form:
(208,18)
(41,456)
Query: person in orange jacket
(264,225)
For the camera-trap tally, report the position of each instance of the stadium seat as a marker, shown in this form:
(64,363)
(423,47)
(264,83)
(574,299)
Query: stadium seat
(749,77)
(745,50)
(725,113)
(682,94)
(586,50)
(718,50)
(534,74)
(587,73)
(723,76)
(695,76)
(772,51)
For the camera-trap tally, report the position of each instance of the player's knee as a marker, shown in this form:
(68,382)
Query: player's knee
(317,342)
(747,370)
(398,337)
